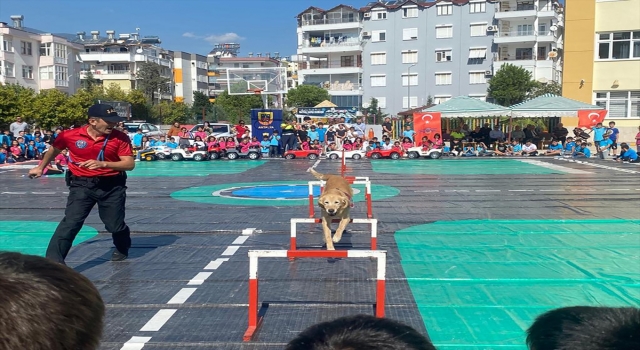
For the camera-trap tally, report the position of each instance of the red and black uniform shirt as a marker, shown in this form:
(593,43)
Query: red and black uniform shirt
(83,147)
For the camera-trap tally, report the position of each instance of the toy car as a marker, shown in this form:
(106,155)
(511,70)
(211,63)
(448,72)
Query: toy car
(189,153)
(417,152)
(297,153)
(253,154)
(355,154)
(382,153)
(162,152)
(145,154)
(216,152)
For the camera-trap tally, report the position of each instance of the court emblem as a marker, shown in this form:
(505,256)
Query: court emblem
(81,144)
(265,118)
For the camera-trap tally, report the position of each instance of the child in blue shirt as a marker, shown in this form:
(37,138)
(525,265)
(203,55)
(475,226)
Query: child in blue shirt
(569,146)
(3,155)
(321,131)
(555,149)
(627,154)
(41,146)
(274,145)
(582,151)
(313,133)
(516,148)
(613,136)
(31,150)
(265,144)
(171,144)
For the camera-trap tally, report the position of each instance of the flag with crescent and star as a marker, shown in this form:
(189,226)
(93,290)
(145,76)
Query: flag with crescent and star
(426,124)
(591,118)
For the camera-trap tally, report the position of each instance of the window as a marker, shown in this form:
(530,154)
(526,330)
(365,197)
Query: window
(346,61)
(478,52)
(410,12)
(438,99)
(27,72)
(410,79)
(480,97)
(443,78)
(60,51)
(46,73)
(45,49)
(378,80)
(410,34)
(479,29)
(8,70)
(409,56)
(443,32)
(62,74)
(542,53)
(524,54)
(378,15)
(382,102)
(413,100)
(477,78)
(378,58)
(619,45)
(7,45)
(477,7)
(542,29)
(379,35)
(525,29)
(25,48)
(621,104)
(443,55)
(445,10)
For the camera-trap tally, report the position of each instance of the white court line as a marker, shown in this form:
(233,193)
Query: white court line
(240,240)
(520,190)
(600,166)
(487,190)
(552,166)
(315,164)
(43,193)
(551,190)
(215,264)
(182,296)
(158,320)
(232,249)
(199,279)
(135,343)
(14,192)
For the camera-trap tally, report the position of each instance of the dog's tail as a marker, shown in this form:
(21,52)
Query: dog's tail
(317,175)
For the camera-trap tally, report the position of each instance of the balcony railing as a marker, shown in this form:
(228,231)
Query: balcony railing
(516,33)
(349,41)
(337,86)
(62,83)
(313,22)
(513,7)
(325,65)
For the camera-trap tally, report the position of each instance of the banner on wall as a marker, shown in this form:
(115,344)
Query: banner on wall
(265,121)
(426,124)
(349,113)
(591,118)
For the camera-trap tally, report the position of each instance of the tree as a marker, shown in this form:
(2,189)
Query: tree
(238,107)
(540,89)
(139,105)
(75,107)
(171,112)
(306,96)
(373,110)
(89,82)
(16,101)
(200,103)
(510,85)
(114,92)
(150,80)
(48,109)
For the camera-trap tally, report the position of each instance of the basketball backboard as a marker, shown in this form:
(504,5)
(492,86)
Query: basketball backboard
(244,81)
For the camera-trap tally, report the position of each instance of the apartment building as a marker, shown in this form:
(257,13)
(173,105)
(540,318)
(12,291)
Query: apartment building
(115,59)
(37,59)
(189,75)
(330,52)
(602,57)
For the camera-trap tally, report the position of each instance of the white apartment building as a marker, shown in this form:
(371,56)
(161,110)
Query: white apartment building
(330,52)
(530,34)
(36,59)
(189,75)
(115,59)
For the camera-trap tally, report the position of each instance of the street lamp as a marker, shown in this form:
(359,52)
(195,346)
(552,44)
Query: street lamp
(409,86)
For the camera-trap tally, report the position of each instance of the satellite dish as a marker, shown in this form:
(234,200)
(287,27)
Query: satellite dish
(553,28)
(139,51)
(553,54)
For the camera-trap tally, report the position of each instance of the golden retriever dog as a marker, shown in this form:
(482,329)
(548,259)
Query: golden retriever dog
(335,202)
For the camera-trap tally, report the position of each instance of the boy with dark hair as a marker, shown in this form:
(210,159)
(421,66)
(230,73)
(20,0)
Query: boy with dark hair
(360,332)
(627,154)
(613,136)
(47,306)
(586,328)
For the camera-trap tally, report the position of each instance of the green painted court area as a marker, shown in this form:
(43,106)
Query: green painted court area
(193,168)
(458,167)
(32,237)
(479,284)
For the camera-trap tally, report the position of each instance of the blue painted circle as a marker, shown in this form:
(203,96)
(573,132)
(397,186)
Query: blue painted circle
(275,191)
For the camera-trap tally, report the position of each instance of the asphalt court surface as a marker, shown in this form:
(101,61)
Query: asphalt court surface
(465,238)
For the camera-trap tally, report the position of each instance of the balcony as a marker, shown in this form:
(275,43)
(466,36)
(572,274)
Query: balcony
(62,83)
(512,10)
(331,23)
(106,56)
(324,67)
(343,45)
(109,74)
(540,67)
(6,54)
(515,37)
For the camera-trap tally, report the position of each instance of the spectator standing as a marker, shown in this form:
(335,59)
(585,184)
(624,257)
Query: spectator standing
(18,126)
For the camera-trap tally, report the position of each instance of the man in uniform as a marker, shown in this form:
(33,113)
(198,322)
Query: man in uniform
(99,156)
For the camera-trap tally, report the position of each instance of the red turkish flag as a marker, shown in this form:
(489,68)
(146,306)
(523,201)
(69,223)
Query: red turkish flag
(591,118)
(426,124)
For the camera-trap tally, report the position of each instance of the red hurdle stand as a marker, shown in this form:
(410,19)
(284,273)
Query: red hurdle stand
(354,180)
(295,222)
(255,321)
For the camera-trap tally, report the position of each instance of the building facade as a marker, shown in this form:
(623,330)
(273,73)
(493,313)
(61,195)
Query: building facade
(115,59)
(36,59)
(603,59)
(189,75)
(330,52)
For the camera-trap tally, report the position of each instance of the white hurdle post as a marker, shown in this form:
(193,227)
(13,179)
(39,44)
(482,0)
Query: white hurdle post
(255,321)
(295,222)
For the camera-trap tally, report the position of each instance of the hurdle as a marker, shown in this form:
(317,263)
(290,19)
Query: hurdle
(295,222)
(255,320)
(353,180)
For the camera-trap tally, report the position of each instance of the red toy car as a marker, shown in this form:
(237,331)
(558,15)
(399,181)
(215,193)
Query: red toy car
(381,153)
(215,152)
(310,154)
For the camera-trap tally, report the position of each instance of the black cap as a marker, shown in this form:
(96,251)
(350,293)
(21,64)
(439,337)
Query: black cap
(105,112)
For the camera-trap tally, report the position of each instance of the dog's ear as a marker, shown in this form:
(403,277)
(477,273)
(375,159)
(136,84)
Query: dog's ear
(321,202)
(345,203)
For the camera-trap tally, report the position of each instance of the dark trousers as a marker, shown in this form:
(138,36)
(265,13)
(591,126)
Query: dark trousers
(288,142)
(274,151)
(83,196)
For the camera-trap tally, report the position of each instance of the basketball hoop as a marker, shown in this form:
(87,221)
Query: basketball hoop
(255,91)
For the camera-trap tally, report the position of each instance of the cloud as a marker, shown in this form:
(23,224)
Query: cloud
(223,38)
(189,35)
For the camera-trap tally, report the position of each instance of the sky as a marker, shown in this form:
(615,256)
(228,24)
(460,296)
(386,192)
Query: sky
(193,26)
